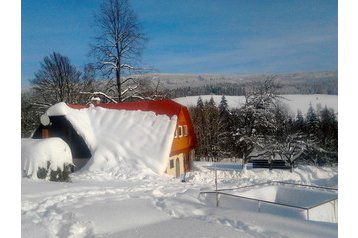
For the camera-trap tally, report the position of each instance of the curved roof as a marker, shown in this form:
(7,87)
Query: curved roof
(159,107)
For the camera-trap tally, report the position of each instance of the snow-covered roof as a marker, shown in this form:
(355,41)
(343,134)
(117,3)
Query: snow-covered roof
(121,142)
(160,107)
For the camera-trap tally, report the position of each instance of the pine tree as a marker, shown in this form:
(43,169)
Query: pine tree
(312,121)
(223,107)
(213,129)
(299,123)
(199,122)
(225,139)
(328,129)
(200,103)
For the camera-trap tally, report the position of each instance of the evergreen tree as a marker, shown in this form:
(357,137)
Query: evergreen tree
(328,130)
(225,139)
(312,121)
(223,107)
(213,129)
(199,122)
(200,103)
(299,123)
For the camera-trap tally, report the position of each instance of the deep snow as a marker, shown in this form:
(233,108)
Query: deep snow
(94,205)
(121,141)
(117,196)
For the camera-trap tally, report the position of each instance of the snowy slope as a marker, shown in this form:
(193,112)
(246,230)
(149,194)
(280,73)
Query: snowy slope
(295,102)
(158,206)
(122,143)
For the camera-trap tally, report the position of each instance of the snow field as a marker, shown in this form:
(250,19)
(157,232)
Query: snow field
(158,206)
(294,102)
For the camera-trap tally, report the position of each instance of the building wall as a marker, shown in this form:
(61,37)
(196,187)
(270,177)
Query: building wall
(182,143)
(172,168)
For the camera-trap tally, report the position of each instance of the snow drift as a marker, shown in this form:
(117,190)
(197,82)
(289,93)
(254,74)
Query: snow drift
(122,142)
(36,153)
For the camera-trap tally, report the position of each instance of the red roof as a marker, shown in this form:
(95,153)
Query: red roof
(161,107)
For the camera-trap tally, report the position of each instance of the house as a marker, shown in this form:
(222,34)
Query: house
(158,134)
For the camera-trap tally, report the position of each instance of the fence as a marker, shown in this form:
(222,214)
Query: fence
(218,192)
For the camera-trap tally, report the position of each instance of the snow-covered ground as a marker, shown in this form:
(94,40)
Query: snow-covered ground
(97,204)
(295,102)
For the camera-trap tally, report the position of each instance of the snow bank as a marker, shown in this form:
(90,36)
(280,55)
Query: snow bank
(231,175)
(35,153)
(122,142)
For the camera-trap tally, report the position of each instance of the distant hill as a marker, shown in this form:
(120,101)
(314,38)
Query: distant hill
(181,85)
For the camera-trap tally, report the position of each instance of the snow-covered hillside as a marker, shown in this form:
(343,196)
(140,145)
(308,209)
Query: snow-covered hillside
(159,206)
(295,102)
(174,81)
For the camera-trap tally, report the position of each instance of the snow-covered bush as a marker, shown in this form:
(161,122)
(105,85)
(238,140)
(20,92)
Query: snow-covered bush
(49,158)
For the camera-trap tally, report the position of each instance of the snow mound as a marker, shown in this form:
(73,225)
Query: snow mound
(123,143)
(35,153)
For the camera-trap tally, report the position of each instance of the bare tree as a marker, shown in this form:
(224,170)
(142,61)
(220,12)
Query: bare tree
(118,44)
(56,81)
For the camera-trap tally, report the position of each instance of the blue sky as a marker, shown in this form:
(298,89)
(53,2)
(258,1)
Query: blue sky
(201,36)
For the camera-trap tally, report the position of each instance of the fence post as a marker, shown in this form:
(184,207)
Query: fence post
(335,211)
(216,187)
(307,214)
(259,206)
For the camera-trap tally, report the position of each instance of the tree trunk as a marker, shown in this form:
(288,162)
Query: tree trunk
(118,81)
(118,74)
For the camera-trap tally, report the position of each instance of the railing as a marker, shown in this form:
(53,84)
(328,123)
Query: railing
(280,182)
(259,201)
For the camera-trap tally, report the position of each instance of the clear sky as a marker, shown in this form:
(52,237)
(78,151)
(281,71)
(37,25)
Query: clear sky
(194,36)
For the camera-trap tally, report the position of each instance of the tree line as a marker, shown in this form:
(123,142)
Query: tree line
(264,128)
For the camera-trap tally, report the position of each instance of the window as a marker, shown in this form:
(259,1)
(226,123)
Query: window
(180,131)
(171,164)
(185,129)
(176,134)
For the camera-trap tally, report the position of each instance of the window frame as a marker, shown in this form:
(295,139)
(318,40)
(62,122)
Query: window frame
(176,133)
(185,130)
(180,131)
(171,164)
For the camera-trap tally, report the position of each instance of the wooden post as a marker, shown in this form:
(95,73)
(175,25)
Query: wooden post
(44,133)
